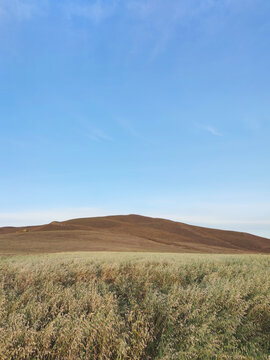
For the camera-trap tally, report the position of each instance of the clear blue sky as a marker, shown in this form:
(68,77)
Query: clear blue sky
(139,106)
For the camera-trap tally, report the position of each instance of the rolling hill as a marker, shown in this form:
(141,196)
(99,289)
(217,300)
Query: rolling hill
(126,233)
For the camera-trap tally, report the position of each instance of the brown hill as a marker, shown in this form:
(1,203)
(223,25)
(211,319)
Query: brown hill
(126,233)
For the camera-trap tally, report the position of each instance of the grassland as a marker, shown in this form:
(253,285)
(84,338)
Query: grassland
(134,306)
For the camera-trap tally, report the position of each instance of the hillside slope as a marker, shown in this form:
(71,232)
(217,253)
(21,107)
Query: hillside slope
(126,233)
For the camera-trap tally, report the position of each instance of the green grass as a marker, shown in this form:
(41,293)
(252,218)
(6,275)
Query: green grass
(134,306)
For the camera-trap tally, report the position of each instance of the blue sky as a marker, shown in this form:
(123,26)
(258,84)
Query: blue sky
(154,107)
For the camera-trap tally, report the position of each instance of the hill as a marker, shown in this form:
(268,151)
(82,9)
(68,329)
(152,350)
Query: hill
(126,233)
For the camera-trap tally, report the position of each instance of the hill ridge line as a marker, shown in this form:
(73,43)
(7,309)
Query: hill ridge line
(127,233)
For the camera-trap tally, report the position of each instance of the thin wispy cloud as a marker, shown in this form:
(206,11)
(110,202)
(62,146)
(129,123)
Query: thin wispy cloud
(96,11)
(154,12)
(161,21)
(141,8)
(97,135)
(22,10)
(129,128)
(210,129)
(132,131)
(91,130)
(154,22)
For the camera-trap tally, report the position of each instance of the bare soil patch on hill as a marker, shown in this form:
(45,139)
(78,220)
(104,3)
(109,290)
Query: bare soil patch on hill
(126,233)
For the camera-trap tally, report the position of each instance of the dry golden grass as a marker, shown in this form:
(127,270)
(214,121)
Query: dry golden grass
(135,306)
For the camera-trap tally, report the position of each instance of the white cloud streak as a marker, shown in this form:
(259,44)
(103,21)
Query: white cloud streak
(96,11)
(22,10)
(129,128)
(97,135)
(210,129)
(156,13)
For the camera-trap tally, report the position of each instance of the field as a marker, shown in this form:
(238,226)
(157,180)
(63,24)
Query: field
(134,306)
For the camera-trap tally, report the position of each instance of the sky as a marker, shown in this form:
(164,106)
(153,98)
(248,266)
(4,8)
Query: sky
(159,108)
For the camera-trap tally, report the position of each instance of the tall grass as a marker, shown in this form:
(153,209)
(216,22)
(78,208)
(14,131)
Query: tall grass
(135,306)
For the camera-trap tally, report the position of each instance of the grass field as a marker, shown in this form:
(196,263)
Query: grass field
(135,306)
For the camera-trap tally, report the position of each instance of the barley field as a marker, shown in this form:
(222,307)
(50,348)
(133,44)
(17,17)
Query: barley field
(134,306)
